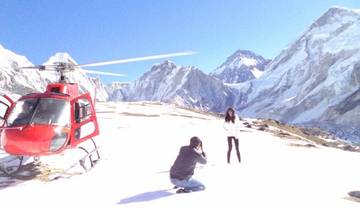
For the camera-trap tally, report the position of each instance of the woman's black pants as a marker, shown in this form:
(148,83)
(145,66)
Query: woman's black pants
(236,141)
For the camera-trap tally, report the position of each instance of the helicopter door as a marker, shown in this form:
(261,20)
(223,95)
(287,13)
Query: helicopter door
(6,105)
(84,123)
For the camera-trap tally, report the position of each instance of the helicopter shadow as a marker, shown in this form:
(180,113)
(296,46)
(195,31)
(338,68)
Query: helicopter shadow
(146,196)
(26,172)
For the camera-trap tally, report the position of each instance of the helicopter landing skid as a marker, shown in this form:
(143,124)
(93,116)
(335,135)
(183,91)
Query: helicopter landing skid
(87,162)
(11,165)
(91,158)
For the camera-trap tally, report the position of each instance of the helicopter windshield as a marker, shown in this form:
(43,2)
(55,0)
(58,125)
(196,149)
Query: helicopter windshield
(40,111)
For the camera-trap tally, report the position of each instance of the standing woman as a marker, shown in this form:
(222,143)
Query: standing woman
(232,130)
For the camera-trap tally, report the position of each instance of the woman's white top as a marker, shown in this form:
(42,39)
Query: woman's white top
(232,129)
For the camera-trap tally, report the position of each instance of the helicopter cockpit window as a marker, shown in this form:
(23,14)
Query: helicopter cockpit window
(22,112)
(4,106)
(82,110)
(52,111)
(40,111)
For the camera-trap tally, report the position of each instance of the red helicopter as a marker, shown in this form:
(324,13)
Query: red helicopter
(47,123)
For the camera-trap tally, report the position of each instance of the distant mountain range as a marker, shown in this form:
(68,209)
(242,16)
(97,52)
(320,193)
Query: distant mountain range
(187,86)
(314,82)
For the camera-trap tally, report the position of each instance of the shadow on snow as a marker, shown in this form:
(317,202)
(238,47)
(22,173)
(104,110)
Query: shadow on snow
(147,196)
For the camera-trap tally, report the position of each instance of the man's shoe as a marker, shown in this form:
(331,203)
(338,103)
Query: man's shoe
(181,190)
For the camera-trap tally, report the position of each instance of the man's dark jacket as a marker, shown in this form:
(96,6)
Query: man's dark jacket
(184,165)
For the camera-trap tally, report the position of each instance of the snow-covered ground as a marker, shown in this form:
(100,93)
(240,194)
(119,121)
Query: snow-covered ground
(140,141)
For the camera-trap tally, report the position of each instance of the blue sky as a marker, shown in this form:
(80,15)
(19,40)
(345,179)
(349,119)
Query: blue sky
(91,30)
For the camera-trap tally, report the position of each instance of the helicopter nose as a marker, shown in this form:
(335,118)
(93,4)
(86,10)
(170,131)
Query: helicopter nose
(35,140)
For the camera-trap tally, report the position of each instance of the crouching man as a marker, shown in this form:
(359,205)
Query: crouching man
(183,168)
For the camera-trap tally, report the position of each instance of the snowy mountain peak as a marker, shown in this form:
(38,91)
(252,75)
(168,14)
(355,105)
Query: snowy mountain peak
(12,60)
(241,66)
(335,14)
(167,64)
(243,54)
(244,57)
(18,81)
(60,57)
(344,10)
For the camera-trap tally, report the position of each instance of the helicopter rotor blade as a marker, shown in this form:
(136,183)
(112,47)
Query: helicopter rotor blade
(28,67)
(128,60)
(102,73)
(39,67)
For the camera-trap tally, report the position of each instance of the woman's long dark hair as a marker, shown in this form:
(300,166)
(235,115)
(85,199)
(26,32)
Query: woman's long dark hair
(229,118)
